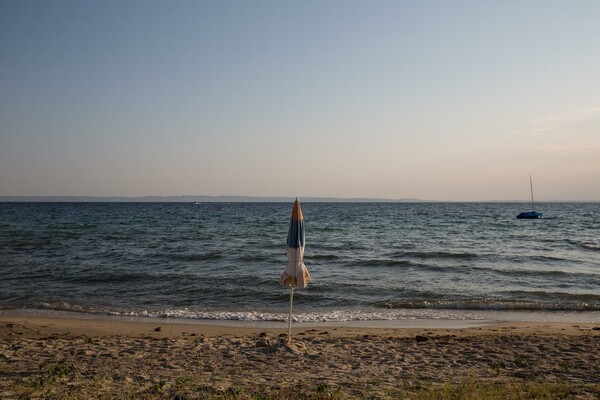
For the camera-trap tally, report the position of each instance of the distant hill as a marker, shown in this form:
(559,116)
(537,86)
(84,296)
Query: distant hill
(200,199)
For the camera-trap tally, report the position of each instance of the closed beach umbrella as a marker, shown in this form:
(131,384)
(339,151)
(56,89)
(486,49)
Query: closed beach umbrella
(295,274)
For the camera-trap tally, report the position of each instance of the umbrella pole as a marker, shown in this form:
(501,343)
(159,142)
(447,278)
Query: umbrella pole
(290,317)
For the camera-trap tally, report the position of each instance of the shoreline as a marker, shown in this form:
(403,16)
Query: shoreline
(407,323)
(41,326)
(409,318)
(43,356)
(35,326)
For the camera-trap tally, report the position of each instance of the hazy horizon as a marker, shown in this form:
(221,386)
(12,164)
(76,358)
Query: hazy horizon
(258,199)
(442,101)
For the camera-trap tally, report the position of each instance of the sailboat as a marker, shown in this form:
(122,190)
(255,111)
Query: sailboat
(530,214)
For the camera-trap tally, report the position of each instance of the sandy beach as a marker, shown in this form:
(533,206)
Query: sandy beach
(60,357)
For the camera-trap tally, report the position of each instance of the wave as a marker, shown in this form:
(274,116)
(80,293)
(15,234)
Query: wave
(583,244)
(321,257)
(212,255)
(492,305)
(435,255)
(474,269)
(582,297)
(302,317)
(529,258)
(540,273)
(27,244)
(111,277)
(331,316)
(384,263)
(71,226)
(591,246)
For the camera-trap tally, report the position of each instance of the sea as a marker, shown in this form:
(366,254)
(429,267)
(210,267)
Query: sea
(368,261)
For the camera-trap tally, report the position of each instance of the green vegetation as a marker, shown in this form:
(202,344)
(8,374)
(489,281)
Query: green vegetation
(63,381)
(520,361)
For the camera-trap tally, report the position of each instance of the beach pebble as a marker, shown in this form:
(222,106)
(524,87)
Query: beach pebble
(420,338)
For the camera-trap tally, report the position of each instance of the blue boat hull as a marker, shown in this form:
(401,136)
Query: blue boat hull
(530,215)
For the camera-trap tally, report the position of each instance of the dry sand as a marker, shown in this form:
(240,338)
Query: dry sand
(87,358)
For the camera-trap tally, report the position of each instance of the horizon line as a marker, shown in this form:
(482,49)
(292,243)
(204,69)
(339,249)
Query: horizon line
(249,199)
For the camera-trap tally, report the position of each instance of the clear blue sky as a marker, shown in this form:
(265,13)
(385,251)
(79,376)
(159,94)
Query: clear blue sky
(440,100)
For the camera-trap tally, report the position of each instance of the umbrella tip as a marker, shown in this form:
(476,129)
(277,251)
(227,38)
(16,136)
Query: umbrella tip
(297,198)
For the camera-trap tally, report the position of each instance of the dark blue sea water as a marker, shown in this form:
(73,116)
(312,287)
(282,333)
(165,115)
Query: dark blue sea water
(367,260)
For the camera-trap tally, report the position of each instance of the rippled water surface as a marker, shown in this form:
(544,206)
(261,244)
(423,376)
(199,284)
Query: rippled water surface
(367,260)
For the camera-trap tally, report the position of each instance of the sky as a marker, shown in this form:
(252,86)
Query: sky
(436,100)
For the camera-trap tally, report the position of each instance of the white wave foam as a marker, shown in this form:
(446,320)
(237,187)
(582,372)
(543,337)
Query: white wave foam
(374,315)
(368,317)
(591,246)
(329,316)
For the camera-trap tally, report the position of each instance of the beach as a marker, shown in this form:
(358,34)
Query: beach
(411,185)
(183,301)
(66,357)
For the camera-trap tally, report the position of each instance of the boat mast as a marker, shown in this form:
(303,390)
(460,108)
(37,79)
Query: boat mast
(531,187)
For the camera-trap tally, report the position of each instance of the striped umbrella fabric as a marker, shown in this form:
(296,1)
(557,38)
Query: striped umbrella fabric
(295,274)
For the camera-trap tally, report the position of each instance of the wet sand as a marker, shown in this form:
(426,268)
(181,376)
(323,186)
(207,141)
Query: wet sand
(103,358)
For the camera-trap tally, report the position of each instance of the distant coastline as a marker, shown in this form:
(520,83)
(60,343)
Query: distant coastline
(244,199)
(199,199)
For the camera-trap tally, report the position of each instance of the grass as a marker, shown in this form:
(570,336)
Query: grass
(52,381)
(52,373)
(520,361)
(67,379)
(481,390)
